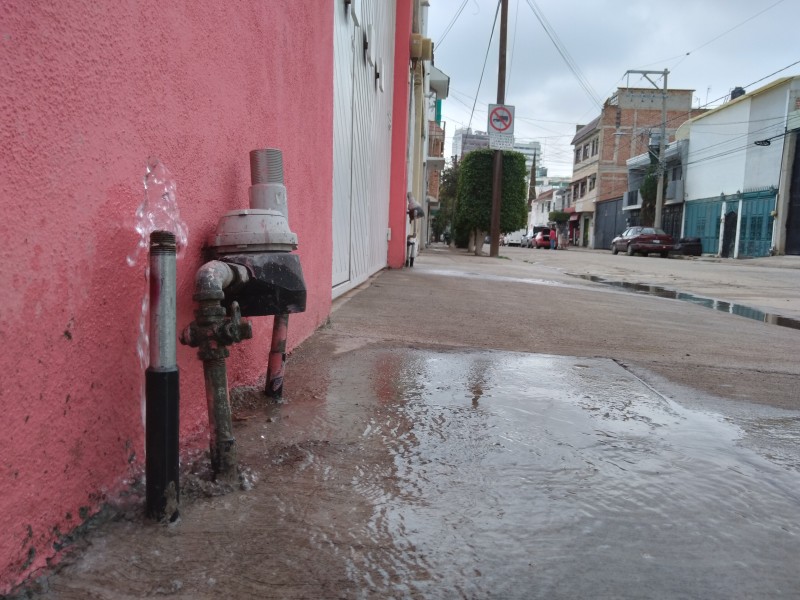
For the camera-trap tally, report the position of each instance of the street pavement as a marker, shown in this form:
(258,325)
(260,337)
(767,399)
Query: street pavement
(511,427)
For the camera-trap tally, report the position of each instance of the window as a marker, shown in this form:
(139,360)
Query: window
(595,144)
(577,155)
(592,180)
(585,151)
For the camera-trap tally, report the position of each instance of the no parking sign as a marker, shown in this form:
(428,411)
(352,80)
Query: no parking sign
(501,126)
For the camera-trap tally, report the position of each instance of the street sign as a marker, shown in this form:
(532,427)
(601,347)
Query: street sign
(501,119)
(501,141)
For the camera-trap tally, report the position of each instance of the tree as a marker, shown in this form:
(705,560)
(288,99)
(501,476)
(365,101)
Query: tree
(474,198)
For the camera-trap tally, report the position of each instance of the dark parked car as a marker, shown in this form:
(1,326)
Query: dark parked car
(643,240)
(542,240)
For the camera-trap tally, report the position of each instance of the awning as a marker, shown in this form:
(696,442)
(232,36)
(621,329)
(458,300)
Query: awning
(574,216)
(439,83)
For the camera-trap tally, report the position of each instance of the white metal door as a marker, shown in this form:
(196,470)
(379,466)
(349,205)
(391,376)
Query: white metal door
(362,140)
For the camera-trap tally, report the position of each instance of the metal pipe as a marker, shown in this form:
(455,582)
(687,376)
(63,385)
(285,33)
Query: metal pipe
(163,328)
(223,444)
(212,331)
(214,276)
(162,390)
(277,357)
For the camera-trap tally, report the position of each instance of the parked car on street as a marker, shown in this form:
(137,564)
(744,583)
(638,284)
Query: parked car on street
(526,241)
(515,237)
(643,240)
(542,240)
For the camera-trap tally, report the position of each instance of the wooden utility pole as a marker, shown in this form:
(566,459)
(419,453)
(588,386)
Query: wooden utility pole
(662,144)
(497,171)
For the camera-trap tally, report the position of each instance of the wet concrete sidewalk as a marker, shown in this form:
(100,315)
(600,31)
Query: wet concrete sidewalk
(415,458)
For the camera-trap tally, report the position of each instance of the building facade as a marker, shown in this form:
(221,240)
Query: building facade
(742,188)
(465,141)
(603,146)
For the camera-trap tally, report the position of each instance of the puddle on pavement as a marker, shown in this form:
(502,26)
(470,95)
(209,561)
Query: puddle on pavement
(422,474)
(517,476)
(719,305)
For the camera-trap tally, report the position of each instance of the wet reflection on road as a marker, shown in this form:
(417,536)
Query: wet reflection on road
(411,473)
(518,476)
(719,305)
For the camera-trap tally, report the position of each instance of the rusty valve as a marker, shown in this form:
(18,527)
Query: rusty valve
(212,332)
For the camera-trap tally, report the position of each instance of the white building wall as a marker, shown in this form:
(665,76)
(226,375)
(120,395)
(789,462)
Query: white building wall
(767,120)
(362,141)
(717,151)
(723,156)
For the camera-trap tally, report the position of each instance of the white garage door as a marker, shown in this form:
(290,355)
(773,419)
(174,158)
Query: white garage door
(362,139)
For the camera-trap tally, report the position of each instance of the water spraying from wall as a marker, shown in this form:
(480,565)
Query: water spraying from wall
(158,211)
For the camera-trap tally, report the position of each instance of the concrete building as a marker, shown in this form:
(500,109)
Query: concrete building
(602,148)
(742,181)
(675,157)
(465,141)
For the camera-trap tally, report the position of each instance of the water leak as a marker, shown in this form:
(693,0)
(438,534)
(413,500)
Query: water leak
(719,305)
(521,476)
(517,476)
(411,473)
(157,212)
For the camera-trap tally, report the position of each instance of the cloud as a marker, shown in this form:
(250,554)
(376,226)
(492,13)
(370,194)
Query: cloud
(727,41)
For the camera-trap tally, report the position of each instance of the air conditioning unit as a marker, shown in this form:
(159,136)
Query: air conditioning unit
(416,45)
(427,49)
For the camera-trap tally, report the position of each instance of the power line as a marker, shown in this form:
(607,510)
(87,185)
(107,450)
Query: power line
(483,70)
(513,43)
(561,49)
(452,22)
(724,33)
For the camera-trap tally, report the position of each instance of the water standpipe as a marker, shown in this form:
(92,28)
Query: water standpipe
(254,273)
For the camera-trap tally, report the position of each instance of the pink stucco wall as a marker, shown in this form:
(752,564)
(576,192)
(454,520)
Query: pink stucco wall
(88,90)
(398,186)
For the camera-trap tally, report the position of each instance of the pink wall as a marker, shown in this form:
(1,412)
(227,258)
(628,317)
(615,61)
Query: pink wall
(398,186)
(89,90)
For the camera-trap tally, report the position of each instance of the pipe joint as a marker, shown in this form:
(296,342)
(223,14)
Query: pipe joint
(214,276)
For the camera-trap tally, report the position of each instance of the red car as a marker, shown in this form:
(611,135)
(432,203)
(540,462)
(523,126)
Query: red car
(541,240)
(643,240)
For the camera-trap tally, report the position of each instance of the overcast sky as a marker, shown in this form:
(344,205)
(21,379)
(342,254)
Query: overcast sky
(710,46)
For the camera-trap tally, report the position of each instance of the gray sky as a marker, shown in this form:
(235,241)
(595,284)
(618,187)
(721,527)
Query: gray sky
(710,46)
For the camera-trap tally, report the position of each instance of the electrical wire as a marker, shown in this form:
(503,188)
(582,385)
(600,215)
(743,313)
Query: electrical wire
(450,26)
(561,49)
(513,43)
(483,70)
(724,33)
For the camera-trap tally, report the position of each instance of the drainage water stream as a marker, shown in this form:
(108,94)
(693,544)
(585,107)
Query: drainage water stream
(720,305)
(409,473)
(516,476)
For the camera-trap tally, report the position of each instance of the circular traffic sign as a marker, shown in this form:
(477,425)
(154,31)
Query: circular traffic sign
(500,119)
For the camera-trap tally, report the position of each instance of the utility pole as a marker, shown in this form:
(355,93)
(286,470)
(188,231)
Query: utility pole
(661,144)
(497,171)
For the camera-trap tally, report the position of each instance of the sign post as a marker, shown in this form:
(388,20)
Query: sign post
(501,122)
